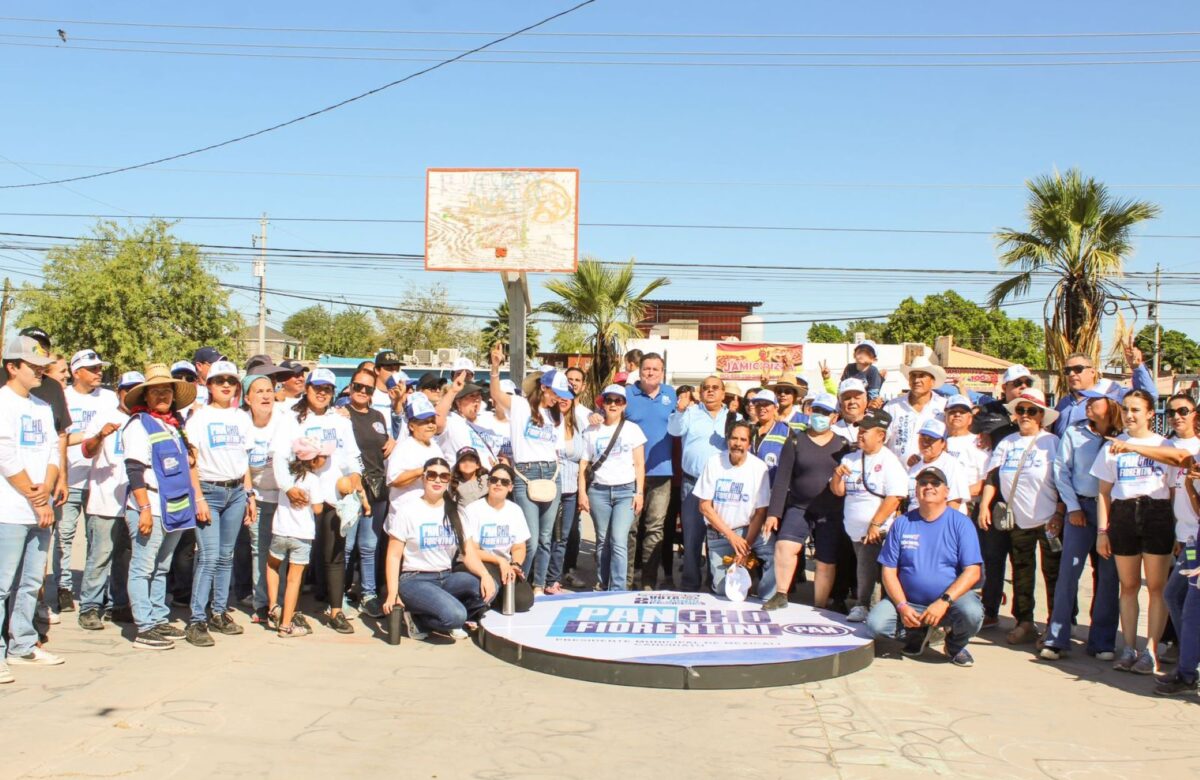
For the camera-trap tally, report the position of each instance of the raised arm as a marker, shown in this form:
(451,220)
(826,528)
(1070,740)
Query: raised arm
(499,397)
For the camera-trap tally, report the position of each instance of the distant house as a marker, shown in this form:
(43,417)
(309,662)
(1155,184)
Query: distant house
(280,346)
(702,320)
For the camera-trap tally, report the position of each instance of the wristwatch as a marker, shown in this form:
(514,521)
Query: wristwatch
(946,598)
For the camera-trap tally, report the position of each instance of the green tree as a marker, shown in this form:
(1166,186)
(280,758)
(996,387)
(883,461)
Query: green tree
(1080,235)
(570,338)
(311,325)
(824,333)
(136,296)
(347,333)
(1180,353)
(972,326)
(426,320)
(604,300)
(496,330)
(871,329)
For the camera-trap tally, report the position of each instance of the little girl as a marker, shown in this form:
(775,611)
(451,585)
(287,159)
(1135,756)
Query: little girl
(292,533)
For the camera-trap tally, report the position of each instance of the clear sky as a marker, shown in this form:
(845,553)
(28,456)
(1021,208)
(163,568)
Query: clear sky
(935,148)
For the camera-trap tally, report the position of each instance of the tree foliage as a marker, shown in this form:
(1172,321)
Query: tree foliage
(496,330)
(1179,352)
(1081,235)
(570,338)
(824,333)
(429,321)
(973,327)
(136,296)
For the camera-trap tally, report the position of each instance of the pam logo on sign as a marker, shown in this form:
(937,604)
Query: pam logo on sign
(817,629)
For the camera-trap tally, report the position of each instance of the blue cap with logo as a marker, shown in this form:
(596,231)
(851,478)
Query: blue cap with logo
(825,402)
(419,407)
(934,429)
(130,379)
(557,381)
(181,366)
(322,376)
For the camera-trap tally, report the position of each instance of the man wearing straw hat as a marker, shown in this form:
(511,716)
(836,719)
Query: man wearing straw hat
(913,409)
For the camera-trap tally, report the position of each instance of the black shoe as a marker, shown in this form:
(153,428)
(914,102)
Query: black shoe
(914,643)
(91,620)
(1175,686)
(183,602)
(339,624)
(300,620)
(223,624)
(197,634)
(122,615)
(66,601)
(151,640)
(778,601)
(168,631)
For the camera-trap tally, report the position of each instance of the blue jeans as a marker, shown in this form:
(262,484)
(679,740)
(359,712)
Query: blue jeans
(365,537)
(260,542)
(215,541)
(105,574)
(694,532)
(963,620)
(558,549)
(60,562)
(1185,614)
(23,551)
(719,547)
(148,566)
(612,512)
(539,518)
(1078,542)
(441,600)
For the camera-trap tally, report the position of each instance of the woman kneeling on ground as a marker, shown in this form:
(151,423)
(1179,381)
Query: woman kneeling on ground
(424,537)
(496,527)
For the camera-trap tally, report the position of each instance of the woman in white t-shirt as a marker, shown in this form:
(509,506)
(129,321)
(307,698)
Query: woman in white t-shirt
(424,538)
(613,492)
(1025,461)
(535,424)
(496,527)
(258,400)
(1134,523)
(406,464)
(220,435)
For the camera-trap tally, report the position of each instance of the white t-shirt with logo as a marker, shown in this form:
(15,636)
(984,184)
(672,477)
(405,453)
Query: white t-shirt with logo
(972,457)
(736,492)
(331,426)
(107,480)
(530,442)
(618,468)
(461,432)
(262,458)
(29,443)
(956,478)
(429,541)
(221,436)
(1036,495)
(495,530)
(1133,475)
(886,476)
(299,523)
(84,408)
(906,421)
(407,455)
(1186,522)
(136,442)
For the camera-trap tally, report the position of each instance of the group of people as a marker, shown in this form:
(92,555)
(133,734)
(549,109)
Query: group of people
(201,486)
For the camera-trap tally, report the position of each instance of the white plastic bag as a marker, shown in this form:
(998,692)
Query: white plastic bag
(737,582)
(349,511)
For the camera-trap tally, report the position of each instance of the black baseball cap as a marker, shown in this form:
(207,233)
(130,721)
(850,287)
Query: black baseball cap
(293,366)
(989,422)
(36,334)
(468,389)
(934,472)
(875,418)
(387,357)
(468,452)
(206,355)
(429,381)
(257,360)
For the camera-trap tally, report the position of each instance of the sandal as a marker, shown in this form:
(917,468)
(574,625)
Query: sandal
(294,630)
(274,616)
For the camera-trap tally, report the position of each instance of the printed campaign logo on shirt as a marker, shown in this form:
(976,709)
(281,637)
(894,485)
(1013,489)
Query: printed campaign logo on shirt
(321,433)
(377,426)
(119,442)
(260,454)
(32,433)
(910,541)
(224,435)
(620,448)
(1132,467)
(80,419)
(1012,459)
(436,536)
(538,433)
(494,536)
(728,491)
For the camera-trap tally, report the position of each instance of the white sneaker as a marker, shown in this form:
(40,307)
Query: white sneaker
(38,657)
(44,614)
(458,633)
(857,615)
(6,675)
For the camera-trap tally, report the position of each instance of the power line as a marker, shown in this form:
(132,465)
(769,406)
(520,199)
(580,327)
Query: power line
(809,36)
(311,114)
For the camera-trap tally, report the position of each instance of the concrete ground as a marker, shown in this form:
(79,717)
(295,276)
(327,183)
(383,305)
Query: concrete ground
(348,706)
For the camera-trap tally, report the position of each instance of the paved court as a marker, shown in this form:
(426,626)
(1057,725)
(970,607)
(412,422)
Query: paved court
(337,706)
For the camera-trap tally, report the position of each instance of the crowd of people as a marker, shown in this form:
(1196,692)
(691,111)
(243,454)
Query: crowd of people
(205,487)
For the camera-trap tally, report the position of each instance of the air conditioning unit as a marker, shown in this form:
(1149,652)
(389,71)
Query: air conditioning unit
(408,359)
(446,356)
(423,357)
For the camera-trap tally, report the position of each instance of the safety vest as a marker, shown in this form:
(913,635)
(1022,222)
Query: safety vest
(169,459)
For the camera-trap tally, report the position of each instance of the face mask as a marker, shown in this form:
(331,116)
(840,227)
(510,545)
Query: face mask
(820,422)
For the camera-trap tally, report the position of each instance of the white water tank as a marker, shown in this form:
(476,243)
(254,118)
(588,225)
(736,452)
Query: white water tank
(752,328)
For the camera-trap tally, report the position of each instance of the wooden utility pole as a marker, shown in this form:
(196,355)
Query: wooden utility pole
(1157,327)
(4,307)
(260,270)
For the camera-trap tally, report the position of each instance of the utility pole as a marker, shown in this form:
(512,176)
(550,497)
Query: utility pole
(260,270)
(1157,327)
(4,306)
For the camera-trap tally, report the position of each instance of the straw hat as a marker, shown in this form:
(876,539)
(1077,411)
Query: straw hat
(159,374)
(922,365)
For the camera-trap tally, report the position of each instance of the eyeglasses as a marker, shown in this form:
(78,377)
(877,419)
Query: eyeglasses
(929,483)
(1027,411)
(1181,411)
(225,380)
(611,401)
(359,387)
(186,377)
(710,387)
(437,476)
(1075,369)
(503,481)
(1022,382)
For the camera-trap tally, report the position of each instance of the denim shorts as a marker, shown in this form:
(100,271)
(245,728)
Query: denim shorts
(289,548)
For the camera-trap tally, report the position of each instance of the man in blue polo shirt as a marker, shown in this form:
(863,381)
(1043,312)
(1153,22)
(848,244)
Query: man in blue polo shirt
(1081,374)
(649,403)
(930,561)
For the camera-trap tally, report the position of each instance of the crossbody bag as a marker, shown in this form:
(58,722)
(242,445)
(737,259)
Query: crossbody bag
(1002,516)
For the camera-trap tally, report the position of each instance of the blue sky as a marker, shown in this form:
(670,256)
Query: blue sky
(924,148)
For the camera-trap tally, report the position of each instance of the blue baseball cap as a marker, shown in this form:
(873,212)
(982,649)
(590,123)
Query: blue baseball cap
(959,400)
(180,366)
(419,407)
(934,429)
(557,381)
(825,402)
(130,379)
(207,355)
(322,376)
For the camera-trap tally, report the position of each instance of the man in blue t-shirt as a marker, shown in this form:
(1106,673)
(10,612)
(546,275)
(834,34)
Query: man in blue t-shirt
(649,403)
(930,561)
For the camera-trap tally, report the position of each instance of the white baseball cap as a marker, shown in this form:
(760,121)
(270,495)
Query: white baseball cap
(933,428)
(322,376)
(1015,372)
(508,386)
(27,349)
(462,364)
(222,368)
(130,379)
(86,358)
(825,402)
(851,385)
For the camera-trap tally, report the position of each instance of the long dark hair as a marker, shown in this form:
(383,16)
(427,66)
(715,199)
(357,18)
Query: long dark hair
(457,478)
(450,517)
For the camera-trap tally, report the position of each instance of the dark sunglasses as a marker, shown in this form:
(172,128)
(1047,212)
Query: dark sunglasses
(1028,411)
(504,481)
(1182,411)
(710,387)
(359,387)
(1022,382)
(225,380)
(1075,369)
(614,400)
(185,377)
(928,482)
(437,476)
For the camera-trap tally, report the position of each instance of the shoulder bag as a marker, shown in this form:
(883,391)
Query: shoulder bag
(1002,516)
(590,472)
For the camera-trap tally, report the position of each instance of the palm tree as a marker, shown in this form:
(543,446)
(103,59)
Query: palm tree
(601,297)
(1082,235)
(496,330)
